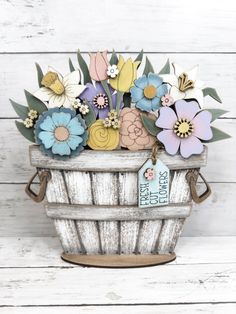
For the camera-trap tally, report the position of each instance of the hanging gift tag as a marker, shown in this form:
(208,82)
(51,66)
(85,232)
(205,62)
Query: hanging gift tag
(153,184)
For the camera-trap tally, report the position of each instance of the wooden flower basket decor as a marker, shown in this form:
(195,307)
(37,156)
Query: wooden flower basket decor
(118,155)
(93,202)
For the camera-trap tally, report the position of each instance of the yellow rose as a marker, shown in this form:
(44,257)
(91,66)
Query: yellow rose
(102,138)
(126,76)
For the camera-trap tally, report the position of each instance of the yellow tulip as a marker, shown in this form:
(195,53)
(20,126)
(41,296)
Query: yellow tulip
(126,76)
(101,137)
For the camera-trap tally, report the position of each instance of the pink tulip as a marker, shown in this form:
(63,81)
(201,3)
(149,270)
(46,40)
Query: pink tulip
(98,66)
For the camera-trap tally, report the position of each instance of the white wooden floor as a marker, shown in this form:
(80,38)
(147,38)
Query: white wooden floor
(33,279)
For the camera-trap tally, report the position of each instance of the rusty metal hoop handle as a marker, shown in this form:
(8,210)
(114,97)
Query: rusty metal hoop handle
(191,178)
(44,177)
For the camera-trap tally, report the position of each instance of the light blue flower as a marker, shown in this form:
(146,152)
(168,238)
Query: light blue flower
(61,133)
(147,92)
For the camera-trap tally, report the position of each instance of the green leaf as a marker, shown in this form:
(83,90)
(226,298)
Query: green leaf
(218,135)
(209,91)
(90,117)
(34,103)
(114,58)
(84,68)
(139,58)
(150,125)
(166,68)
(216,113)
(40,74)
(148,67)
(71,66)
(22,111)
(127,100)
(28,133)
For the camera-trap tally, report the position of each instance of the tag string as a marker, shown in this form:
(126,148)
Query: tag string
(154,153)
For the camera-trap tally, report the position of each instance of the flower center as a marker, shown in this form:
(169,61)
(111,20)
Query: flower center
(61,133)
(183,128)
(100,101)
(184,82)
(150,91)
(51,80)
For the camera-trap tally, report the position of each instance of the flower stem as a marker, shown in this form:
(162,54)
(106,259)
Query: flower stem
(118,100)
(108,92)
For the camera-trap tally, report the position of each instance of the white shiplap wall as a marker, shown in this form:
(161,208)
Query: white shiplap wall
(49,32)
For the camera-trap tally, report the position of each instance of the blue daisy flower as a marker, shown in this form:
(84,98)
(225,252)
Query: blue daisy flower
(147,92)
(61,133)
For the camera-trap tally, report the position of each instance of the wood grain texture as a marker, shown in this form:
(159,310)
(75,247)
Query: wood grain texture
(22,217)
(79,286)
(213,70)
(45,251)
(172,228)
(43,27)
(115,161)
(108,213)
(140,309)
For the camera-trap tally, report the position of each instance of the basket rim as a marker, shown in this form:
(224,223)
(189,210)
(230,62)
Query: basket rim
(121,160)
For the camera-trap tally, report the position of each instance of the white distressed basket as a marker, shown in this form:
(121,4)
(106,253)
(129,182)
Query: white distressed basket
(92,199)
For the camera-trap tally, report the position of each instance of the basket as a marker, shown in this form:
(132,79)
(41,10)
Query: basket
(92,200)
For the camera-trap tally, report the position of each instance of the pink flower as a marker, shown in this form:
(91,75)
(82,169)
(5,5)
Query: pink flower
(183,128)
(98,66)
(167,100)
(149,174)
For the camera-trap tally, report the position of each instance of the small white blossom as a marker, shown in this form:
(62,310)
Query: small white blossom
(107,123)
(115,124)
(32,114)
(112,71)
(76,103)
(84,109)
(28,123)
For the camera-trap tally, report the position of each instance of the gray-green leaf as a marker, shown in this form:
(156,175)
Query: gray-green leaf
(216,113)
(34,103)
(139,58)
(40,74)
(22,111)
(150,125)
(90,117)
(166,68)
(114,58)
(28,133)
(148,67)
(209,91)
(71,66)
(84,68)
(218,135)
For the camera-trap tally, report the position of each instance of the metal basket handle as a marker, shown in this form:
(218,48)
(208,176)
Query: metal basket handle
(44,177)
(191,178)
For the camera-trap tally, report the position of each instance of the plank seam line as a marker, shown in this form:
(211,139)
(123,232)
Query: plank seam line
(84,267)
(116,304)
(124,52)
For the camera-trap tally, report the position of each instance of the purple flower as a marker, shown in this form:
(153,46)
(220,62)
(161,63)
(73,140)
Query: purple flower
(184,127)
(98,99)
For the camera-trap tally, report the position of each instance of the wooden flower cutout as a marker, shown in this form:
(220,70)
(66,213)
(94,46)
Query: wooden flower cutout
(133,135)
(101,137)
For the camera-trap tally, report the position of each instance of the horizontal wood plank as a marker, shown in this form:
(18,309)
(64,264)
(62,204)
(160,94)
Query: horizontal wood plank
(79,286)
(45,251)
(114,161)
(42,26)
(131,309)
(110,213)
(213,70)
(15,165)
(23,217)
